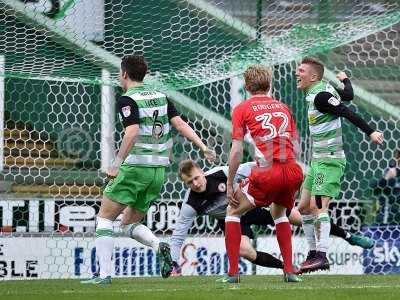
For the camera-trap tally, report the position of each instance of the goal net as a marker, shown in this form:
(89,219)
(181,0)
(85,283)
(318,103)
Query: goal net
(59,63)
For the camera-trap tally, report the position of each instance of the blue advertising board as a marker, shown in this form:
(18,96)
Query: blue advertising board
(384,257)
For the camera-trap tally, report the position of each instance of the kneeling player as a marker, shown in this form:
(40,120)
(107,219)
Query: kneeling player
(207,196)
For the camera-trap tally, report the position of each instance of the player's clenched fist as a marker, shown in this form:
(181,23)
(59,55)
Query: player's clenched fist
(341,76)
(377,137)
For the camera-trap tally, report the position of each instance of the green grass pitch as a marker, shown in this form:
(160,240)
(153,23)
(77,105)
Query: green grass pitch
(203,287)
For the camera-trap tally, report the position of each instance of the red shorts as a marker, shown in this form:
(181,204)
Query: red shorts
(276,184)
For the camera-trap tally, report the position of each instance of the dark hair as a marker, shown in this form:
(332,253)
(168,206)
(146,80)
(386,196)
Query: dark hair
(186,166)
(316,64)
(135,66)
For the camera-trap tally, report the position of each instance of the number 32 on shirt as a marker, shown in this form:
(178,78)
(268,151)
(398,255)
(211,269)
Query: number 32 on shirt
(267,122)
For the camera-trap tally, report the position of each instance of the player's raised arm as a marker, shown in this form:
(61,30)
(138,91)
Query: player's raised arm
(347,93)
(325,102)
(190,134)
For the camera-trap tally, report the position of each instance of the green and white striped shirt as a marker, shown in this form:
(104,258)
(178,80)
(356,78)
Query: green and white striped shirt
(325,129)
(153,145)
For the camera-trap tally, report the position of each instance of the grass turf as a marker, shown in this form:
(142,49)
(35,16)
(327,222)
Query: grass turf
(203,287)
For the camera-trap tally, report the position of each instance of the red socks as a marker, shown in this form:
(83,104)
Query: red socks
(233,235)
(284,237)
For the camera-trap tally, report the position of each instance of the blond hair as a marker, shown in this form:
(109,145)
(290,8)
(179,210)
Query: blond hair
(257,79)
(316,64)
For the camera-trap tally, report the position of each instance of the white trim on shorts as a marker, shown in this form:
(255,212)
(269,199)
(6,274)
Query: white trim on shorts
(249,197)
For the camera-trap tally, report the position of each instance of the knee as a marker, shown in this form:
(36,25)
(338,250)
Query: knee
(247,252)
(295,217)
(231,211)
(277,211)
(320,204)
(312,209)
(303,208)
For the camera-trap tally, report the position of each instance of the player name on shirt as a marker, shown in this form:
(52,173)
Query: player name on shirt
(259,107)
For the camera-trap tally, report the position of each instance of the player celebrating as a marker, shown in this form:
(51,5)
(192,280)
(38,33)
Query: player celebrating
(272,127)
(322,182)
(139,167)
(207,196)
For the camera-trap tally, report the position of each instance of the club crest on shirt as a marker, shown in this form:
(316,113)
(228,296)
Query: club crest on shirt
(244,182)
(222,187)
(126,111)
(312,117)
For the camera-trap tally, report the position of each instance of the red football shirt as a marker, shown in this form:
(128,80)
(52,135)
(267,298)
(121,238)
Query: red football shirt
(271,126)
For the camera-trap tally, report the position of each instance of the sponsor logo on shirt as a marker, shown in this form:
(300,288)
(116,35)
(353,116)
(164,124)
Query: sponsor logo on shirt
(334,101)
(244,182)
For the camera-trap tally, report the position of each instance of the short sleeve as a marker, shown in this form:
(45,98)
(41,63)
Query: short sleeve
(128,111)
(172,112)
(238,126)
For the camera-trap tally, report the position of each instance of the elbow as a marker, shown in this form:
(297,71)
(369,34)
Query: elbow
(180,126)
(236,155)
(351,97)
(236,152)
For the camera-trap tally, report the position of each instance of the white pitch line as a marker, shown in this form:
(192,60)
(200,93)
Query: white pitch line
(242,287)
